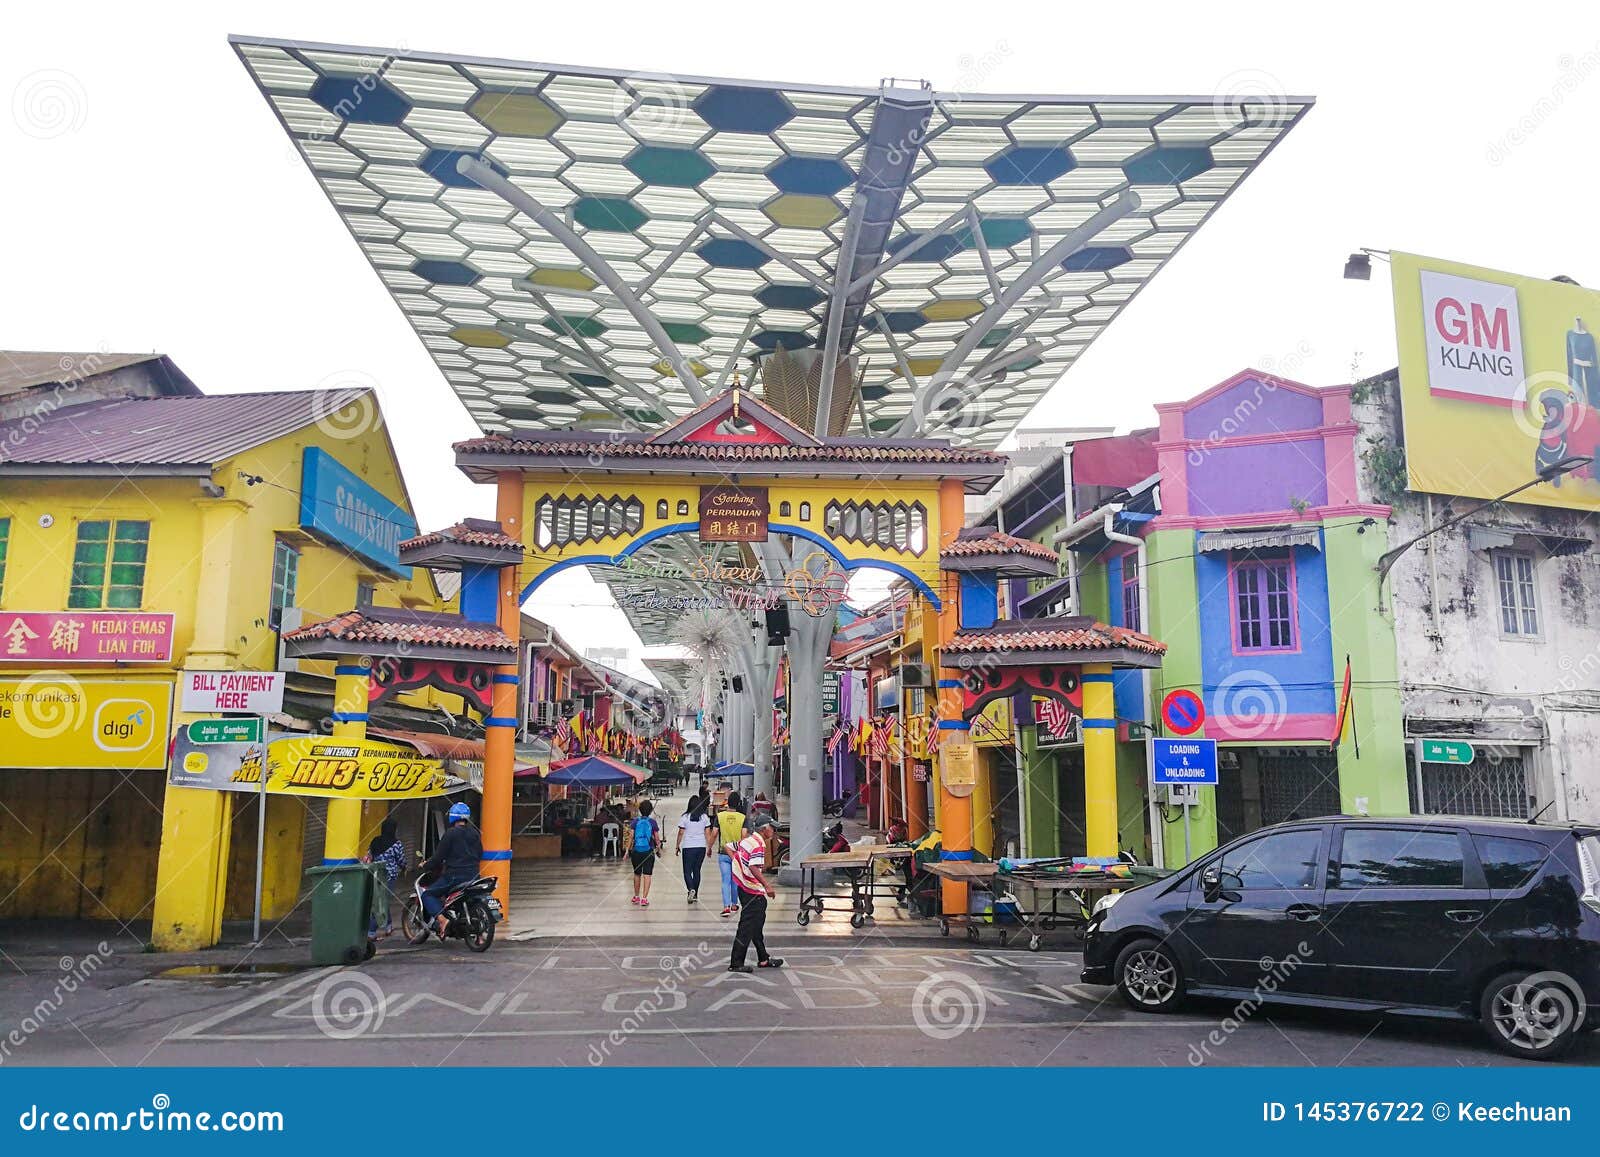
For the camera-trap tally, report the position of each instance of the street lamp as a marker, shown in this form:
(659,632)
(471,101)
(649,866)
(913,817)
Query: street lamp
(1547,474)
(1358,266)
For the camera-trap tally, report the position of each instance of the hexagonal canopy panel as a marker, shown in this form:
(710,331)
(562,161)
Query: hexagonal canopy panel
(723,208)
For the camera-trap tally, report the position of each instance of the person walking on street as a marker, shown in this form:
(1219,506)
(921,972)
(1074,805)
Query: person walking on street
(730,830)
(694,830)
(388,853)
(750,876)
(646,843)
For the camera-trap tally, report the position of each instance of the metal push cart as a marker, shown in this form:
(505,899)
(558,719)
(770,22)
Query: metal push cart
(861,864)
(1035,919)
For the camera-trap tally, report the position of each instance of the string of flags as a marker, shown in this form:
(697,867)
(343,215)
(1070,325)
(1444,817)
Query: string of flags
(582,734)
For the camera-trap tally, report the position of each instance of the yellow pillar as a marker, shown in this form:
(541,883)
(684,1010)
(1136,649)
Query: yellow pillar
(342,844)
(500,729)
(197,824)
(192,870)
(955,805)
(1099,760)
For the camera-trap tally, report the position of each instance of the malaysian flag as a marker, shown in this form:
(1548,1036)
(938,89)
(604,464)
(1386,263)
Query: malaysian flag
(933,736)
(880,737)
(839,735)
(563,736)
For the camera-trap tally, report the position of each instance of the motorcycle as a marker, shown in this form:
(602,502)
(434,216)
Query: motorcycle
(470,910)
(833,839)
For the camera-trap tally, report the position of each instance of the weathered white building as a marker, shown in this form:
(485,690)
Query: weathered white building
(1497,625)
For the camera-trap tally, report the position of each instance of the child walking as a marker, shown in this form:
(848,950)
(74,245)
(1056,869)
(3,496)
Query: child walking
(642,853)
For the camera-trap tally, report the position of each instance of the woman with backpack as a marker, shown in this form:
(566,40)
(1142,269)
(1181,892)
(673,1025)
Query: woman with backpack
(642,849)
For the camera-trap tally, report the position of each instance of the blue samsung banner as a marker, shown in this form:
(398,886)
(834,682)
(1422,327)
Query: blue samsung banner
(1107,1110)
(338,505)
(1183,760)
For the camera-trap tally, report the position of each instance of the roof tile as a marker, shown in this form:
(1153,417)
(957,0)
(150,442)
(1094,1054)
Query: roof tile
(1048,637)
(409,628)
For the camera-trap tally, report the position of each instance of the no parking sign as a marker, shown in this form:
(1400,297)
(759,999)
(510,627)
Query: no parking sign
(1182,712)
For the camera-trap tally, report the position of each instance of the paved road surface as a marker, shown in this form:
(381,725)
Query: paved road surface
(877,1003)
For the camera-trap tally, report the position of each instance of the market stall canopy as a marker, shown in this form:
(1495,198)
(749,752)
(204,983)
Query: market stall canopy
(573,242)
(732,770)
(594,771)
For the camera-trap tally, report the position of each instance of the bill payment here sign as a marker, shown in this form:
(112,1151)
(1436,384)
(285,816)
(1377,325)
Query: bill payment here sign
(1473,333)
(251,692)
(1180,761)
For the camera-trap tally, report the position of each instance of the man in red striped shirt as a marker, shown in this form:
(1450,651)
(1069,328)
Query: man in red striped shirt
(749,858)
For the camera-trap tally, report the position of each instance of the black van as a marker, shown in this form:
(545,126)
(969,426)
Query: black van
(1492,920)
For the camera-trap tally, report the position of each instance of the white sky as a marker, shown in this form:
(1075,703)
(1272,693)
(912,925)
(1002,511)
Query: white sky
(159,206)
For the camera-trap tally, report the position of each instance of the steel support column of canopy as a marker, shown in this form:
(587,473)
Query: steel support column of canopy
(475,170)
(930,395)
(899,126)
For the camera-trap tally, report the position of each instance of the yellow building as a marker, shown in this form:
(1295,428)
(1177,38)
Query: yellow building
(146,529)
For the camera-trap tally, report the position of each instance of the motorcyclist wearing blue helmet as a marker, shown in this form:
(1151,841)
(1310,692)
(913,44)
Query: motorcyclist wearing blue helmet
(454,861)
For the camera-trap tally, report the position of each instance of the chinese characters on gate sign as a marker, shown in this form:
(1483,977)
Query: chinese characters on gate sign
(85,637)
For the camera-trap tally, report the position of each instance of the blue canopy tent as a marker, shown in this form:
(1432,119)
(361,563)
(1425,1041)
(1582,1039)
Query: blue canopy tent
(594,771)
(727,770)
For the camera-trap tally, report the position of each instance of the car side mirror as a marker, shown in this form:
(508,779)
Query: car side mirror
(1211,882)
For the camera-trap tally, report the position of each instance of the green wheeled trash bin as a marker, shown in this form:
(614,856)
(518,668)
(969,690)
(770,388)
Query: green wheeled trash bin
(341,907)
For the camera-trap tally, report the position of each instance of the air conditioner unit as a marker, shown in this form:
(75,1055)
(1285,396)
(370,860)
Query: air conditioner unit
(916,675)
(547,713)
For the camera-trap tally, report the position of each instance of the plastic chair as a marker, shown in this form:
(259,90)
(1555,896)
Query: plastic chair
(610,840)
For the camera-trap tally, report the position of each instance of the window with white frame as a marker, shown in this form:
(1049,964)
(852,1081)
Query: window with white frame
(1132,611)
(1519,600)
(285,578)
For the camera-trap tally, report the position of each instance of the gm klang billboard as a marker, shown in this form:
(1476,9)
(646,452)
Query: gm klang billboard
(1499,379)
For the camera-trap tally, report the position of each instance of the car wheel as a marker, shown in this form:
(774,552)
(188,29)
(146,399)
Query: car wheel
(1535,1015)
(1148,976)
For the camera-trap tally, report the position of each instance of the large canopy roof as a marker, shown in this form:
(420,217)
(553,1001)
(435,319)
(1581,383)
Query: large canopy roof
(576,241)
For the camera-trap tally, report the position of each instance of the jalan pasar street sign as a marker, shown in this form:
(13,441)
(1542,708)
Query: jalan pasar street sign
(1445,751)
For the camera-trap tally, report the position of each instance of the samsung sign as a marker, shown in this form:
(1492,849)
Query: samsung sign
(337,505)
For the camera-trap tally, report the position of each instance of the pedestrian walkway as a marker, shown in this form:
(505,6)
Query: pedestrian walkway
(589,897)
(581,898)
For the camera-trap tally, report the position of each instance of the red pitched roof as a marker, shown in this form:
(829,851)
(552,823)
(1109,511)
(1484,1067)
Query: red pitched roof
(472,532)
(412,628)
(995,543)
(884,453)
(1049,637)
